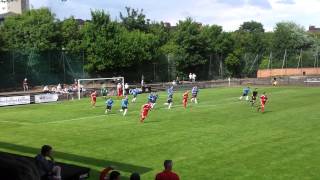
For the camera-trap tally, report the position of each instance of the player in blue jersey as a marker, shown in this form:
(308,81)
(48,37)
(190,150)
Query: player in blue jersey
(194,93)
(170,97)
(109,104)
(134,93)
(124,105)
(245,93)
(154,98)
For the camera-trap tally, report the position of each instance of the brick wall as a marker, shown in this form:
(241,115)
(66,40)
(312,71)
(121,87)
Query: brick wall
(265,73)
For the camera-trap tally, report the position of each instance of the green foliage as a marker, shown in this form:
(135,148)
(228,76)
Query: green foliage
(135,20)
(290,36)
(252,27)
(233,64)
(71,35)
(264,63)
(188,37)
(108,45)
(34,30)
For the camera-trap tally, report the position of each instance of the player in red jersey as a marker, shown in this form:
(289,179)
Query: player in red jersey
(185,99)
(263,100)
(144,111)
(119,90)
(93,98)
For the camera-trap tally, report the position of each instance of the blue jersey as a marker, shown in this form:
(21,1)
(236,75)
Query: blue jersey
(194,90)
(154,98)
(135,92)
(150,98)
(109,102)
(170,91)
(246,90)
(124,103)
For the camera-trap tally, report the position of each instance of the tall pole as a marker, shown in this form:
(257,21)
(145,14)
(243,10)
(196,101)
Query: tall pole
(210,72)
(284,59)
(154,71)
(168,57)
(64,68)
(82,63)
(269,64)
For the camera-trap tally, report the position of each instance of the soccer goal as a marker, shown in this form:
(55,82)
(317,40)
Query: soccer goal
(103,86)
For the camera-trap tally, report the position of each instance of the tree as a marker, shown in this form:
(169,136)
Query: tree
(188,37)
(71,35)
(251,27)
(34,30)
(110,46)
(233,64)
(290,36)
(98,39)
(135,20)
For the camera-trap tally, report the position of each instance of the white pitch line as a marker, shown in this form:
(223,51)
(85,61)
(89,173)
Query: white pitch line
(15,122)
(90,117)
(102,115)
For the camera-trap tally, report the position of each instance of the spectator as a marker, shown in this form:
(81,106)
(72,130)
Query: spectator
(25,84)
(46,89)
(174,83)
(167,174)
(59,89)
(54,89)
(126,88)
(190,77)
(114,175)
(135,176)
(177,80)
(194,76)
(47,168)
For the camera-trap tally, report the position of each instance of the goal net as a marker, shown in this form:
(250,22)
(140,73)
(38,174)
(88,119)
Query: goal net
(103,86)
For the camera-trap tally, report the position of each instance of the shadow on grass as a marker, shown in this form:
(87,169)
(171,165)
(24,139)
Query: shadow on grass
(78,159)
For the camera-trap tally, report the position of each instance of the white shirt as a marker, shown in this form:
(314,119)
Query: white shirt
(119,86)
(126,86)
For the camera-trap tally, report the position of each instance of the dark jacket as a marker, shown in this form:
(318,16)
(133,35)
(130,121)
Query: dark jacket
(44,166)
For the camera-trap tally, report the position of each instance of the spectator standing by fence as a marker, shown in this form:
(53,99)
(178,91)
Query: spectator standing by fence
(126,88)
(190,77)
(194,76)
(25,84)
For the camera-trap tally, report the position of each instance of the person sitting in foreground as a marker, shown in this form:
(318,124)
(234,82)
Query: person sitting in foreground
(47,168)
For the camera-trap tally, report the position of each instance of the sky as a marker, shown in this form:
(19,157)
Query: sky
(229,14)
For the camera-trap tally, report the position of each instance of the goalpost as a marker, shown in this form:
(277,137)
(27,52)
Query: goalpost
(99,83)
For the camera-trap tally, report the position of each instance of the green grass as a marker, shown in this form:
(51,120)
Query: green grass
(220,138)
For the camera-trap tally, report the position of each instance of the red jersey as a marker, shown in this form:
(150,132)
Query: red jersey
(146,107)
(185,95)
(93,95)
(263,99)
(167,175)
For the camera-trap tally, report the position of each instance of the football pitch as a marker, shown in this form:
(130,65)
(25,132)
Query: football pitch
(219,138)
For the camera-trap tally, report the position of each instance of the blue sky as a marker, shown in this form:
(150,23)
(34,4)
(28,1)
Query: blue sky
(227,13)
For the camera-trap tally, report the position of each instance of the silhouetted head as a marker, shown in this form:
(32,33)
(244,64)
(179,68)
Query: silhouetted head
(114,175)
(46,150)
(168,165)
(135,176)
